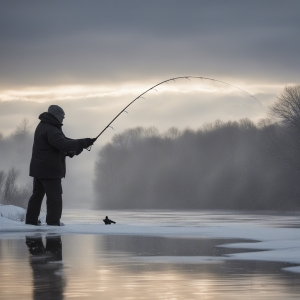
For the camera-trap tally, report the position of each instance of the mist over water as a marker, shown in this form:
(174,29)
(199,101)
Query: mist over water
(232,165)
(221,165)
(16,150)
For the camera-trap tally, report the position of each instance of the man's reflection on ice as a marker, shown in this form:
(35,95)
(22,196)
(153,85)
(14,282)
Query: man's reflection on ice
(47,267)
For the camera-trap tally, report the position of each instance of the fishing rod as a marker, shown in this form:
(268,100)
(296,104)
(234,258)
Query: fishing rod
(165,81)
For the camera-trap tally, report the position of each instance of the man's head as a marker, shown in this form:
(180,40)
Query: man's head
(57,112)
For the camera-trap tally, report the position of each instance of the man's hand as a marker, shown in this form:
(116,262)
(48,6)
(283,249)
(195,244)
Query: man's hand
(78,151)
(89,142)
(70,153)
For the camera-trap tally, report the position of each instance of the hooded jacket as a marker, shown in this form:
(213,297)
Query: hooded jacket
(50,148)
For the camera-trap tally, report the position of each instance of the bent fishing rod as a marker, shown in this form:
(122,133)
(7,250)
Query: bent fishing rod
(165,81)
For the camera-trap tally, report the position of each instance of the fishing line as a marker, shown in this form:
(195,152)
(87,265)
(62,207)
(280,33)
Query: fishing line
(165,81)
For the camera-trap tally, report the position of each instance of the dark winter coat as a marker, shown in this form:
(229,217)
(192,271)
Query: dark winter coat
(50,148)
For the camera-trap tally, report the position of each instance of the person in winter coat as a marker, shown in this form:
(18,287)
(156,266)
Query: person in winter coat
(48,165)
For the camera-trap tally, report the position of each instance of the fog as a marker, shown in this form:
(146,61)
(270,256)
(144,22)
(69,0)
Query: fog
(222,165)
(15,149)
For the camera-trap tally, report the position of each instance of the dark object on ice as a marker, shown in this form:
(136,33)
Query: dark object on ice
(48,165)
(107,221)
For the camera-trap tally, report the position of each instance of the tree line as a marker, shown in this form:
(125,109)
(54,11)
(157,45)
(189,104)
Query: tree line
(222,165)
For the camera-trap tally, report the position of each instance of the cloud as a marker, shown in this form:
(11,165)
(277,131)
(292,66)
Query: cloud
(183,104)
(71,42)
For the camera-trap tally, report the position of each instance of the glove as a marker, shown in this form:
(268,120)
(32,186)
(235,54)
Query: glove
(89,142)
(70,153)
(78,151)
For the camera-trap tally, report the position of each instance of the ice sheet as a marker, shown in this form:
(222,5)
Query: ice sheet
(279,244)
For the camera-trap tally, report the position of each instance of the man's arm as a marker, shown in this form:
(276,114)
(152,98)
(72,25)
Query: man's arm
(57,140)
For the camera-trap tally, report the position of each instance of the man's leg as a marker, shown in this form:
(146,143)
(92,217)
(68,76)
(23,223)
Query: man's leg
(54,200)
(35,202)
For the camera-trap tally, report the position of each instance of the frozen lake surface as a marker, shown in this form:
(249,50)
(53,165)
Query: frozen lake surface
(152,255)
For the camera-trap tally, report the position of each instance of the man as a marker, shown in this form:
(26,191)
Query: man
(48,165)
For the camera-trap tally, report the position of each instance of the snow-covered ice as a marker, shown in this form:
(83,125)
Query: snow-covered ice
(273,243)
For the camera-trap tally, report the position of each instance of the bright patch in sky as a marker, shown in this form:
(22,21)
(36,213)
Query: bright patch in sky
(183,86)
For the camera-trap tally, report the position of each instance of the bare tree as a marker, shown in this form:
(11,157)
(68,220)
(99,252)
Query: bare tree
(286,111)
(2,179)
(172,133)
(22,129)
(287,107)
(10,188)
(22,195)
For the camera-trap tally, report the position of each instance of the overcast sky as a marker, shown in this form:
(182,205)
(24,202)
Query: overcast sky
(94,57)
(65,51)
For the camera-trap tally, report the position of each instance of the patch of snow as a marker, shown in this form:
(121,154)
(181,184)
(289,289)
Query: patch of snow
(293,269)
(12,212)
(16,213)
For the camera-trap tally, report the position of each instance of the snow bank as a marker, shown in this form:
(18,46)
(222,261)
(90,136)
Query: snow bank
(12,212)
(16,213)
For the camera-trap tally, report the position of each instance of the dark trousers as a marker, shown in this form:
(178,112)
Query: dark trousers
(53,190)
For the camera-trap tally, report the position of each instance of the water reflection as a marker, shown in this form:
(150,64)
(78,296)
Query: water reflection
(165,246)
(47,267)
(135,267)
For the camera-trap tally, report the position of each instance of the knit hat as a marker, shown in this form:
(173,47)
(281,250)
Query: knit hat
(57,112)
